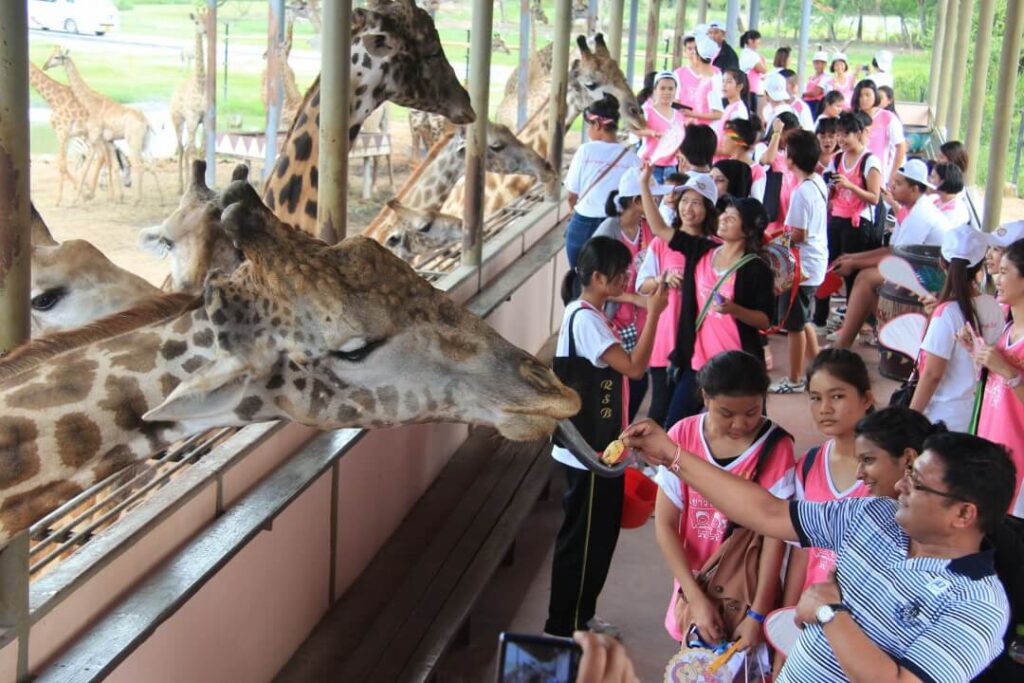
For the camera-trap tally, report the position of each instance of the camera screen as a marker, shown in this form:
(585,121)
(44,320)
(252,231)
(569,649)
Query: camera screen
(536,659)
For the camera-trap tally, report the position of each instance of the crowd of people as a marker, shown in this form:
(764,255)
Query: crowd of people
(897,539)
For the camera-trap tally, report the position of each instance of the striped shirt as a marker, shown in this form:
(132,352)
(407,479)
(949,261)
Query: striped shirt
(942,620)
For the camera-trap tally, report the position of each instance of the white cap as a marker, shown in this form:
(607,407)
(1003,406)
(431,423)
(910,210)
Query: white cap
(1006,234)
(820,56)
(706,47)
(667,74)
(701,183)
(716,26)
(964,242)
(839,57)
(699,29)
(916,170)
(884,60)
(775,87)
(629,184)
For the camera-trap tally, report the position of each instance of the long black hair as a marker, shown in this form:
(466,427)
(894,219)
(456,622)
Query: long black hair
(951,176)
(604,255)
(960,286)
(866,84)
(753,220)
(742,81)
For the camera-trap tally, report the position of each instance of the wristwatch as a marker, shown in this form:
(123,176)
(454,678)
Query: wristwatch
(827,613)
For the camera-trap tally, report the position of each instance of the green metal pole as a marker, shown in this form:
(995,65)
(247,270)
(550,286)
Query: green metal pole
(1006,91)
(15,214)
(938,48)
(956,92)
(335,69)
(979,81)
(559,89)
(618,8)
(946,70)
(476,143)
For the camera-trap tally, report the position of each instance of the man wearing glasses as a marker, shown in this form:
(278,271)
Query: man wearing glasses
(916,597)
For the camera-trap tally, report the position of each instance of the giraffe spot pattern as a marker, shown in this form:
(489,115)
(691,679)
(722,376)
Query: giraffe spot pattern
(78,439)
(128,404)
(182,324)
(173,348)
(193,364)
(114,460)
(303,146)
(291,193)
(311,208)
(168,383)
(19,511)
(68,383)
(19,452)
(388,397)
(248,408)
(203,339)
(282,165)
(314,176)
(275,382)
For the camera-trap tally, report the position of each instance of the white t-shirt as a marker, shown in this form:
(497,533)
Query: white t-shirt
(593,334)
(925,224)
(953,400)
(808,211)
(589,162)
(894,137)
(880,78)
(803,113)
(772,110)
(957,213)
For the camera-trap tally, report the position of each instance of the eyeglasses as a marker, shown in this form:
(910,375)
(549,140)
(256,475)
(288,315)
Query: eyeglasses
(916,484)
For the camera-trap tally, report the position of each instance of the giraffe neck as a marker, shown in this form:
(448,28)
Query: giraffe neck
(439,178)
(78,85)
(49,89)
(200,63)
(76,418)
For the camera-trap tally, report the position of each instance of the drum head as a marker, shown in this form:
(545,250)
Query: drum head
(780,629)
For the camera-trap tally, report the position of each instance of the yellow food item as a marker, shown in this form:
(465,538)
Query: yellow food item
(613,452)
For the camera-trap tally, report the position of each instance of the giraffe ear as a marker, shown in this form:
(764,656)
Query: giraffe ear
(211,394)
(380,45)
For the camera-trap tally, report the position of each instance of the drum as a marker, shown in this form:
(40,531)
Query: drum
(894,301)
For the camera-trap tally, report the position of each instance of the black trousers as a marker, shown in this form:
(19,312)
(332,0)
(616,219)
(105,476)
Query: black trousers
(661,394)
(583,548)
(843,238)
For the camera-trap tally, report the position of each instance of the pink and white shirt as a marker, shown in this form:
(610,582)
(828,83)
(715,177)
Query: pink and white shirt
(819,487)
(734,110)
(657,121)
(845,203)
(718,332)
(821,80)
(694,89)
(884,135)
(661,259)
(846,88)
(749,59)
(701,526)
(955,209)
(1002,414)
(626,313)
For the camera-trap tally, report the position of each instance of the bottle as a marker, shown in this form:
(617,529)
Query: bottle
(1016,649)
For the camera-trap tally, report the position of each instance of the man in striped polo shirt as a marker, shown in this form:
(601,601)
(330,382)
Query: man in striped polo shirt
(916,597)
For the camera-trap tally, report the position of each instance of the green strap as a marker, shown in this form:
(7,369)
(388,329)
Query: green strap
(744,260)
(979,395)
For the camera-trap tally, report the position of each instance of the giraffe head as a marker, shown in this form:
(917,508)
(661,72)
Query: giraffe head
(349,335)
(199,21)
(594,75)
(192,235)
(396,49)
(73,283)
(421,230)
(58,57)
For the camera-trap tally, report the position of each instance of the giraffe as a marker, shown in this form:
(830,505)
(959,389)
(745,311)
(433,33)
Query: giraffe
(67,117)
(188,103)
(591,77)
(292,96)
(192,236)
(423,230)
(397,56)
(328,336)
(436,177)
(73,283)
(108,121)
(425,129)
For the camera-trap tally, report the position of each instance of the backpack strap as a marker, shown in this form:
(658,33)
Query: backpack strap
(742,261)
(808,463)
(572,332)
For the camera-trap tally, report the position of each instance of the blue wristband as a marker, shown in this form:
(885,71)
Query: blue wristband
(759,618)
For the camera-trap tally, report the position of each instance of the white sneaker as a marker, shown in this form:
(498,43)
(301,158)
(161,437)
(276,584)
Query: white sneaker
(787,386)
(599,625)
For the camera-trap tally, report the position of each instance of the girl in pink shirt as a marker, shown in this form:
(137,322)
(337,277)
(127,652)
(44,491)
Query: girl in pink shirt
(1002,406)
(948,180)
(736,92)
(841,79)
(733,434)
(661,117)
(885,136)
(840,396)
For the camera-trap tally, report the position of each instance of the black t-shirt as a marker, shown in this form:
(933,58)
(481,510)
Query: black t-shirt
(727,58)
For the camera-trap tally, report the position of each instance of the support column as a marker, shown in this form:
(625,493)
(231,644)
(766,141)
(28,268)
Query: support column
(210,117)
(617,10)
(559,87)
(651,52)
(476,140)
(702,12)
(680,31)
(732,23)
(946,70)
(755,14)
(979,81)
(275,87)
(592,12)
(634,22)
(335,70)
(15,214)
(522,96)
(1006,91)
(805,35)
(955,104)
(938,49)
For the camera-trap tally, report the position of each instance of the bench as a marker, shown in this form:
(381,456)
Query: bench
(412,603)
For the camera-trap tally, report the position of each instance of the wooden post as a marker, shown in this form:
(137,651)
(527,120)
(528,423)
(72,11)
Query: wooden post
(805,33)
(335,68)
(210,117)
(680,31)
(275,86)
(15,214)
(938,46)
(946,70)
(702,12)
(956,93)
(476,141)
(559,88)
(651,53)
(1006,91)
(979,81)
(617,10)
(634,22)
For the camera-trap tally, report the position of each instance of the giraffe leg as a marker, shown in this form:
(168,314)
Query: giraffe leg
(62,164)
(177,122)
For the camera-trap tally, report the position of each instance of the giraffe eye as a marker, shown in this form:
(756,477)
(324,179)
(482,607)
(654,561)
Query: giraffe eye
(497,146)
(592,86)
(393,241)
(355,355)
(48,299)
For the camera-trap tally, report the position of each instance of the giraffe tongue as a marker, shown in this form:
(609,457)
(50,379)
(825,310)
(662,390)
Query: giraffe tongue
(567,436)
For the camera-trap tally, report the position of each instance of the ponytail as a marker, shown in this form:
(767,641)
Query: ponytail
(604,255)
(959,287)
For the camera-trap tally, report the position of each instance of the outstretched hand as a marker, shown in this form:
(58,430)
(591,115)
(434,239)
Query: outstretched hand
(604,660)
(649,441)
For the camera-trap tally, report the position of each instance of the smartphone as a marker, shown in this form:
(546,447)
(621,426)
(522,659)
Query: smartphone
(719,299)
(526,657)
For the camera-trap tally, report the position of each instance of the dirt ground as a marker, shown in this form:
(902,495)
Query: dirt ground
(113,226)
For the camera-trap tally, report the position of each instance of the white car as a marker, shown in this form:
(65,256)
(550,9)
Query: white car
(74,16)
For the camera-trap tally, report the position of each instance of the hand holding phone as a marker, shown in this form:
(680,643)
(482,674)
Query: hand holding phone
(525,657)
